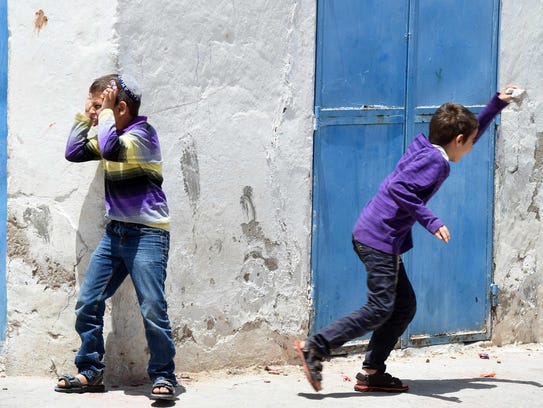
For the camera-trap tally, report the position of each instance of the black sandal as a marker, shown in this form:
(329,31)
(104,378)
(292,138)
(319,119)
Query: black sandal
(163,383)
(73,385)
(379,382)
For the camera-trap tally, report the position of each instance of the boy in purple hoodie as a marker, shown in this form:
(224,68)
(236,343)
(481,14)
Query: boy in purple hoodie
(383,232)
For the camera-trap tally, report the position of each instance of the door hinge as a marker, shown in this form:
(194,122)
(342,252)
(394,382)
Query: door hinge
(494,289)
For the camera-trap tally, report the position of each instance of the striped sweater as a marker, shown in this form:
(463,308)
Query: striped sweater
(132,167)
(386,221)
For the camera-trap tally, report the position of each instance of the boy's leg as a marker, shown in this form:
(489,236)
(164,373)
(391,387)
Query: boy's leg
(382,270)
(147,250)
(103,277)
(384,339)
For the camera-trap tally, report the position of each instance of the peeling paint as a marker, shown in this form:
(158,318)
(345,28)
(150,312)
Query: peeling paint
(45,270)
(40,219)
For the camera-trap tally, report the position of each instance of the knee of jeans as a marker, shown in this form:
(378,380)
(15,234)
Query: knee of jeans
(379,317)
(83,309)
(153,311)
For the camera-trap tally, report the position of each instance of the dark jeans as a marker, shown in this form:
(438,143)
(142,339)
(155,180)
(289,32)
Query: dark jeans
(390,307)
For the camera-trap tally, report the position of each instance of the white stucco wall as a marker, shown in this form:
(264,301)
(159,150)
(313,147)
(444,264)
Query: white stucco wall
(229,87)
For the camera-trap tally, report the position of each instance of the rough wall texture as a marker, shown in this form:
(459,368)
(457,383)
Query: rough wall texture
(54,208)
(518,248)
(229,87)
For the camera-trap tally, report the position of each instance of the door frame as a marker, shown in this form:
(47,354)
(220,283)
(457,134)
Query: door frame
(3,164)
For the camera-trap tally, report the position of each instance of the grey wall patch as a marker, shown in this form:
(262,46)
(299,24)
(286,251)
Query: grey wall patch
(191,172)
(45,270)
(39,218)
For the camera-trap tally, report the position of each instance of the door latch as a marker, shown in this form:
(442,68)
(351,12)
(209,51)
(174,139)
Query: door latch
(494,289)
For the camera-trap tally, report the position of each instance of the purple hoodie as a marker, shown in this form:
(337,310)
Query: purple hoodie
(386,221)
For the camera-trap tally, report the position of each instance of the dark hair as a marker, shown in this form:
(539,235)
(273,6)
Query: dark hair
(103,82)
(449,121)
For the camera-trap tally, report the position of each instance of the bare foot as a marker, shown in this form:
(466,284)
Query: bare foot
(161,390)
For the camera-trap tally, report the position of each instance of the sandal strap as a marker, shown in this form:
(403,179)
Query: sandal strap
(164,384)
(96,379)
(70,381)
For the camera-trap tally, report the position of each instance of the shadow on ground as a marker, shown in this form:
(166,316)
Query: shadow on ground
(438,389)
(145,391)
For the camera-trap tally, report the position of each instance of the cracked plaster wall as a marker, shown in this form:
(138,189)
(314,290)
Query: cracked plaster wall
(518,247)
(229,87)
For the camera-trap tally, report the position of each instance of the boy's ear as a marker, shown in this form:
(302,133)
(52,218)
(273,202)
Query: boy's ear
(459,139)
(123,107)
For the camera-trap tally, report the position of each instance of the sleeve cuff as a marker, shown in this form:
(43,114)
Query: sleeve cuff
(106,113)
(79,117)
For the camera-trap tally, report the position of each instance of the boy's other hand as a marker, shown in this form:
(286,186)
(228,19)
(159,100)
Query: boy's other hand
(443,234)
(110,95)
(93,105)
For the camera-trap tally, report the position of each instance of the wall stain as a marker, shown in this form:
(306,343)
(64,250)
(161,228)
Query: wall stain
(247,204)
(271,263)
(260,247)
(40,21)
(182,334)
(191,173)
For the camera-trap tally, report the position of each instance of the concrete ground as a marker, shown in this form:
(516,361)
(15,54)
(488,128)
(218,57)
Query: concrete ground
(439,376)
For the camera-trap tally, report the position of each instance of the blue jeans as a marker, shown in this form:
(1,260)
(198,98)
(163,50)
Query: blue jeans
(142,253)
(390,307)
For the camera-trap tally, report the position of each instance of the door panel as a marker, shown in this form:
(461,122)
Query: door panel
(360,114)
(451,280)
(339,183)
(453,58)
(352,71)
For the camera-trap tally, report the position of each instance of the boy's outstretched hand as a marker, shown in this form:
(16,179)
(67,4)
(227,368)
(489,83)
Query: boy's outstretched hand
(443,234)
(504,95)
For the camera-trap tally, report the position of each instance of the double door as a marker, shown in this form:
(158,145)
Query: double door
(383,67)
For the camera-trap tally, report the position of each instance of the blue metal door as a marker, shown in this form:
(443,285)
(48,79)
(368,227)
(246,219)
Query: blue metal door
(383,67)
(3,176)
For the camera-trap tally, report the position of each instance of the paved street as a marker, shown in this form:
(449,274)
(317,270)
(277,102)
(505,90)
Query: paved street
(439,376)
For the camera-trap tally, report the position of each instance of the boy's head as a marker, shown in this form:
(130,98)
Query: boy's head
(453,127)
(449,121)
(128,94)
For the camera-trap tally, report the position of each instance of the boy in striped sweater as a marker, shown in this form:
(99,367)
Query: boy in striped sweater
(136,240)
